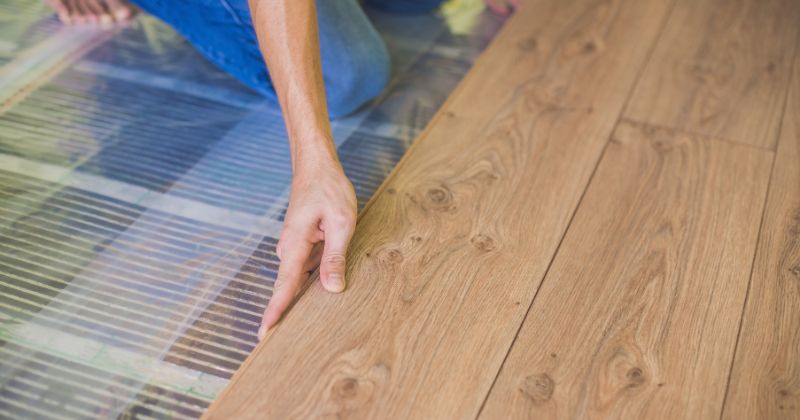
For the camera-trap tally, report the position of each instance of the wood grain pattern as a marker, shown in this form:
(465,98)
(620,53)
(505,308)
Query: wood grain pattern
(721,68)
(448,255)
(638,316)
(765,381)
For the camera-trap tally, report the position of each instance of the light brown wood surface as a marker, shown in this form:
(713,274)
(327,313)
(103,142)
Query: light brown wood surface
(574,234)
(449,254)
(639,314)
(721,68)
(765,382)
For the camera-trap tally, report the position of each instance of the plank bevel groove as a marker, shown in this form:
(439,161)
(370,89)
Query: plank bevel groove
(763,381)
(654,271)
(450,252)
(583,195)
(759,242)
(721,69)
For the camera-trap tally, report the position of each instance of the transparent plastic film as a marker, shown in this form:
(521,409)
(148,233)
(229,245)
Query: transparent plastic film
(142,192)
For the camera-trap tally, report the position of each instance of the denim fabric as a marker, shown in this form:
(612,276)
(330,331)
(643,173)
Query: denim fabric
(404,6)
(355,62)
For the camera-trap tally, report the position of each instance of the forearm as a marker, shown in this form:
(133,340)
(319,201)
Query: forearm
(289,40)
(322,203)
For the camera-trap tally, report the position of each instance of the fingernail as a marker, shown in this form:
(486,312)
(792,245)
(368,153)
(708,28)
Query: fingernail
(262,330)
(336,282)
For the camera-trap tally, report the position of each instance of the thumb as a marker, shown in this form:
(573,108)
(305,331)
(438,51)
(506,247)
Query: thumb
(333,263)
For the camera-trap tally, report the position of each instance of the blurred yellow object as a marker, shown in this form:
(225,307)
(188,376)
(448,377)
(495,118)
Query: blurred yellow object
(461,15)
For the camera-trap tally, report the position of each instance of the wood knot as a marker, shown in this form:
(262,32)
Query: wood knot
(346,388)
(666,229)
(635,376)
(438,195)
(795,270)
(538,388)
(662,146)
(439,198)
(416,239)
(770,67)
(589,47)
(449,114)
(483,243)
(528,44)
(391,190)
(393,256)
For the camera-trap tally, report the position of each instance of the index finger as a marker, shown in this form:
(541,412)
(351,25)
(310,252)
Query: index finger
(290,275)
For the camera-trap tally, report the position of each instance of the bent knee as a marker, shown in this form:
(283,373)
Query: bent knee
(356,80)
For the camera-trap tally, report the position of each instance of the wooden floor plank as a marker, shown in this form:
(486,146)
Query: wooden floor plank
(721,69)
(448,256)
(638,316)
(765,381)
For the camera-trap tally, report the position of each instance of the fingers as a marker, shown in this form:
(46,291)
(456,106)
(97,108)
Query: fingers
(121,11)
(276,308)
(100,14)
(104,12)
(78,13)
(86,12)
(61,10)
(292,272)
(338,231)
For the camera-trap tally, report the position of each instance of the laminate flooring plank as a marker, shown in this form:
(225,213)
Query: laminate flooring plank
(638,316)
(449,254)
(721,69)
(765,381)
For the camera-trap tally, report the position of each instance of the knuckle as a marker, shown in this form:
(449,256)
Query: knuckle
(291,235)
(343,219)
(334,261)
(290,230)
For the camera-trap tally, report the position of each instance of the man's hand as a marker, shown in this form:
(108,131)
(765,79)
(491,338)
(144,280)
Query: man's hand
(322,203)
(321,217)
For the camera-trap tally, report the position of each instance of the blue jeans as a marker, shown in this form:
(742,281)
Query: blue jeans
(355,62)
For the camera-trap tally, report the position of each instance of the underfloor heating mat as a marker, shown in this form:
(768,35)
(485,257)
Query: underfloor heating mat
(141,194)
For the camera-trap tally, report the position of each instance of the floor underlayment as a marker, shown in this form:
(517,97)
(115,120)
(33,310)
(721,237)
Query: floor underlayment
(141,192)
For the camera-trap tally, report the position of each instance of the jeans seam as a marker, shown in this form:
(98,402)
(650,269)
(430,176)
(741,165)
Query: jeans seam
(233,13)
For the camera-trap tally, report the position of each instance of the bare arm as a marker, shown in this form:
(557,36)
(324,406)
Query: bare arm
(289,39)
(322,204)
